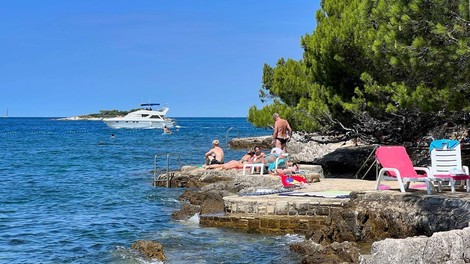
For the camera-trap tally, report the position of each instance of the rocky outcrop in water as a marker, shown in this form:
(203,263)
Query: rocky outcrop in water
(264,142)
(149,249)
(214,185)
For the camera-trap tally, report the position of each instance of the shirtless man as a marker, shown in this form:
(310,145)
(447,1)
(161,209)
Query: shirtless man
(215,155)
(282,132)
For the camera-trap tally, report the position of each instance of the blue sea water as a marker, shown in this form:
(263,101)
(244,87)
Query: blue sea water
(71,193)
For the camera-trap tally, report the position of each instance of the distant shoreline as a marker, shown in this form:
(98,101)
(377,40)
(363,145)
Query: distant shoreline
(101,118)
(80,118)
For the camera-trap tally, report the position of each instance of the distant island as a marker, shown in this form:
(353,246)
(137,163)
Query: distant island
(99,116)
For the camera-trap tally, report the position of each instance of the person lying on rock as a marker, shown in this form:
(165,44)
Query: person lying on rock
(292,168)
(234,164)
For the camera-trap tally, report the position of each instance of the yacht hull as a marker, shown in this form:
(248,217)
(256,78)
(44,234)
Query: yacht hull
(138,124)
(142,119)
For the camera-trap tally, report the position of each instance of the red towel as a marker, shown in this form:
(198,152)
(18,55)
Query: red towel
(292,180)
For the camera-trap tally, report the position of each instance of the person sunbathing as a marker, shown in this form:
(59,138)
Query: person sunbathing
(234,164)
(273,155)
(272,158)
(292,168)
(259,156)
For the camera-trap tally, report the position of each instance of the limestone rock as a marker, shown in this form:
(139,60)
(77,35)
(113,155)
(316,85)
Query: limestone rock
(313,177)
(373,216)
(345,252)
(338,158)
(442,247)
(264,142)
(209,199)
(186,211)
(344,162)
(150,249)
(194,177)
(213,203)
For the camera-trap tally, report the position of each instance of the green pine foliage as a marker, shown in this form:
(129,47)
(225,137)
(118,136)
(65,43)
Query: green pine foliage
(378,57)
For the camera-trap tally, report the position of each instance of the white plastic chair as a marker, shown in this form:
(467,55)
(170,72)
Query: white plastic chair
(446,163)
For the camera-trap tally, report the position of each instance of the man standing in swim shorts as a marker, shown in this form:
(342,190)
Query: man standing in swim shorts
(282,132)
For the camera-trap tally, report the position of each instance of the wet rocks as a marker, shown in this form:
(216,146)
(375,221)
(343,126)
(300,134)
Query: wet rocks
(186,211)
(214,185)
(150,249)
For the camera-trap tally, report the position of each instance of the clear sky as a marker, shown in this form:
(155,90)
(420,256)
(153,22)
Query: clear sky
(201,58)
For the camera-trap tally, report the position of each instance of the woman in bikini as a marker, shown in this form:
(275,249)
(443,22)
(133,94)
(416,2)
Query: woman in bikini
(234,164)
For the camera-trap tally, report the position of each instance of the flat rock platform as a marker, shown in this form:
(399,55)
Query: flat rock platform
(306,200)
(307,208)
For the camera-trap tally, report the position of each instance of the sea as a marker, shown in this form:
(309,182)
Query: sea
(80,192)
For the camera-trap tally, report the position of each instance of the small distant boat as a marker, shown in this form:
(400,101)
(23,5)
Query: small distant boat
(145,118)
(6,114)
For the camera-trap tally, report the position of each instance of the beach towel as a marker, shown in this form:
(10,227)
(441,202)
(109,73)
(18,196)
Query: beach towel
(266,192)
(441,143)
(292,180)
(322,194)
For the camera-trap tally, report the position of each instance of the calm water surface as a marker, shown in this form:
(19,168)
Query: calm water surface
(73,194)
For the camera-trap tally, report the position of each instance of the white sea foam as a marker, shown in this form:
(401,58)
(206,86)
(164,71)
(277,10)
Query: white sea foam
(293,238)
(194,220)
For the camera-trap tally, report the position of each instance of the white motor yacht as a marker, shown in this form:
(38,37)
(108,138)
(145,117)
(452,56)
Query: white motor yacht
(146,118)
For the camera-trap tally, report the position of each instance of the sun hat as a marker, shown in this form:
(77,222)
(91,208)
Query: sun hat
(215,142)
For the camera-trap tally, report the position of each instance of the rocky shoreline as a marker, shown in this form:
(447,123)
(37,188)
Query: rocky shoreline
(425,228)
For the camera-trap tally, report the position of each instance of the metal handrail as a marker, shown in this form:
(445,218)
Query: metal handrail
(226,135)
(365,163)
(167,155)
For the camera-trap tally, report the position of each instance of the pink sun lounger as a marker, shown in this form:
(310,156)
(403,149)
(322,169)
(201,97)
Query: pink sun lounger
(397,164)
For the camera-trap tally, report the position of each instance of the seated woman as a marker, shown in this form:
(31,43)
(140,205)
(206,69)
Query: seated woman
(234,164)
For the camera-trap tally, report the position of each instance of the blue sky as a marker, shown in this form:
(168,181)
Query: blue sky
(200,58)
